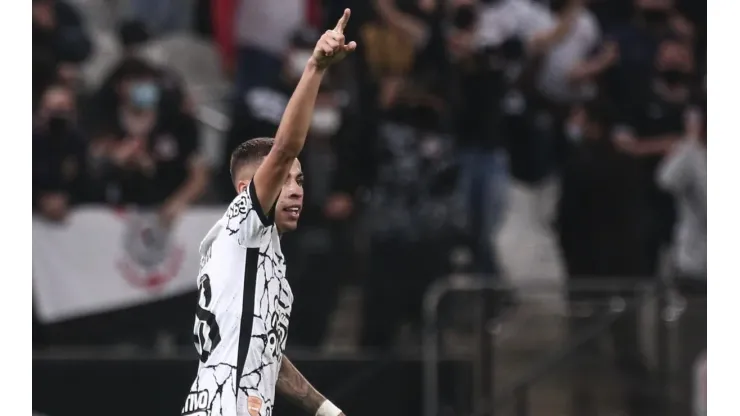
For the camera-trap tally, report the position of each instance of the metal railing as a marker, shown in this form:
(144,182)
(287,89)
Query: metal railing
(664,307)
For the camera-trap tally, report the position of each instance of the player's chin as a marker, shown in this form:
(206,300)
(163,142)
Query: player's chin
(286,223)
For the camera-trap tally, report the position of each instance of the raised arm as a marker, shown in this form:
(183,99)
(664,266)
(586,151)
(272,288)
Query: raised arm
(297,389)
(291,134)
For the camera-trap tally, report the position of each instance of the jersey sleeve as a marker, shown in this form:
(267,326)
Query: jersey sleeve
(245,219)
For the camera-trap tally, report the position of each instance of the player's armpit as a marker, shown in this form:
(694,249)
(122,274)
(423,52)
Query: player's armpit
(296,388)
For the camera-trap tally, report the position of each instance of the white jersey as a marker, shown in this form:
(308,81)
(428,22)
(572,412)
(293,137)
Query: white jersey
(241,321)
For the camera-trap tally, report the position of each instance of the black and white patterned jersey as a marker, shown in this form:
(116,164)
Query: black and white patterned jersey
(241,320)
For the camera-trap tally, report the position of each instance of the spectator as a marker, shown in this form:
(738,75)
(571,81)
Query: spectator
(638,42)
(58,155)
(572,64)
(684,173)
(480,137)
(655,123)
(134,39)
(152,147)
(552,47)
(412,211)
(60,44)
(600,238)
(600,203)
(263,33)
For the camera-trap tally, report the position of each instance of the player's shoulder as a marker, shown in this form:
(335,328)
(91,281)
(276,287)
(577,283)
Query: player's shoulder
(245,214)
(239,206)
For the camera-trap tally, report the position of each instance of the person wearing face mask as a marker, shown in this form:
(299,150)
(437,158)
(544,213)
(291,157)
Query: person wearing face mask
(60,43)
(655,121)
(134,40)
(152,151)
(58,155)
(599,232)
(638,42)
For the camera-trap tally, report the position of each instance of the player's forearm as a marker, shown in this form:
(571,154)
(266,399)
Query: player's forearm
(291,134)
(295,387)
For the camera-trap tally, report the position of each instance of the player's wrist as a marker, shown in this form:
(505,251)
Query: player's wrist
(314,66)
(328,408)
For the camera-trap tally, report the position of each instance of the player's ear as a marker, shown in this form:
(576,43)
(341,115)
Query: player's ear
(241,186)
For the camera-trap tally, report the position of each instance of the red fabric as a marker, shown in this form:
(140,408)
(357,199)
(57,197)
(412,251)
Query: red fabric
(222,12)
(313,14)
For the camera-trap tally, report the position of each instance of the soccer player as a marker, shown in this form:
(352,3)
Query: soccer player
(245,301)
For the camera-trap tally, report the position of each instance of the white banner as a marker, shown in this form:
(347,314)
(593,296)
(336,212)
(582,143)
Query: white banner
(101,260)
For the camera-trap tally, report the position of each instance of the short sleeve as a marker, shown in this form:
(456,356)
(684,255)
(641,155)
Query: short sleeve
(245,219)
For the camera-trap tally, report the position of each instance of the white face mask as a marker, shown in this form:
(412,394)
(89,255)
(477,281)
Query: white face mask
(297,62)
(325,121)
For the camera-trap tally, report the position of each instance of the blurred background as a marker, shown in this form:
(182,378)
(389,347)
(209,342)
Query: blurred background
(505,208)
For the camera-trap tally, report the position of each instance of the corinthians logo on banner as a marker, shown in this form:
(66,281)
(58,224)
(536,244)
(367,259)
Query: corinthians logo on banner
(151,257)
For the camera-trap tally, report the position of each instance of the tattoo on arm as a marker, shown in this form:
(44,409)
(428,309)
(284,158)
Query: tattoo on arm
(295,387)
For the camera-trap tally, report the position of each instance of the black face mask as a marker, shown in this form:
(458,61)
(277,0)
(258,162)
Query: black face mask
(655,17)
(59,124)
(674,77)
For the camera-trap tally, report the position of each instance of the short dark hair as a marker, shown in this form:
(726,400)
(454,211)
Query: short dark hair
(248,152)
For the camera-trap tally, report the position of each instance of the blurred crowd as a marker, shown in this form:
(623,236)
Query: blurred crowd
(415,140)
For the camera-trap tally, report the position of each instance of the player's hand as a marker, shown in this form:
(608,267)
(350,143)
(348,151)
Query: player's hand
(331,48)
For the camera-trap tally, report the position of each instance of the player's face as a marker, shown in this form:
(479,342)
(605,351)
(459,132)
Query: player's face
(290,202)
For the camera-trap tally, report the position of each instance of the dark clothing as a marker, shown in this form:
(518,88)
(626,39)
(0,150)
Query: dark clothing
(256,68)
(67,42)
(653,116)
(59,165)
(398,276)
(255,113)
(172,143)
(599,221)
(637,50)
(413,196)
(477,111)
(413,218)
(599,212)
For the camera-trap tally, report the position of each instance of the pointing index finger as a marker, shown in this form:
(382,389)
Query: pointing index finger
(342,23)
